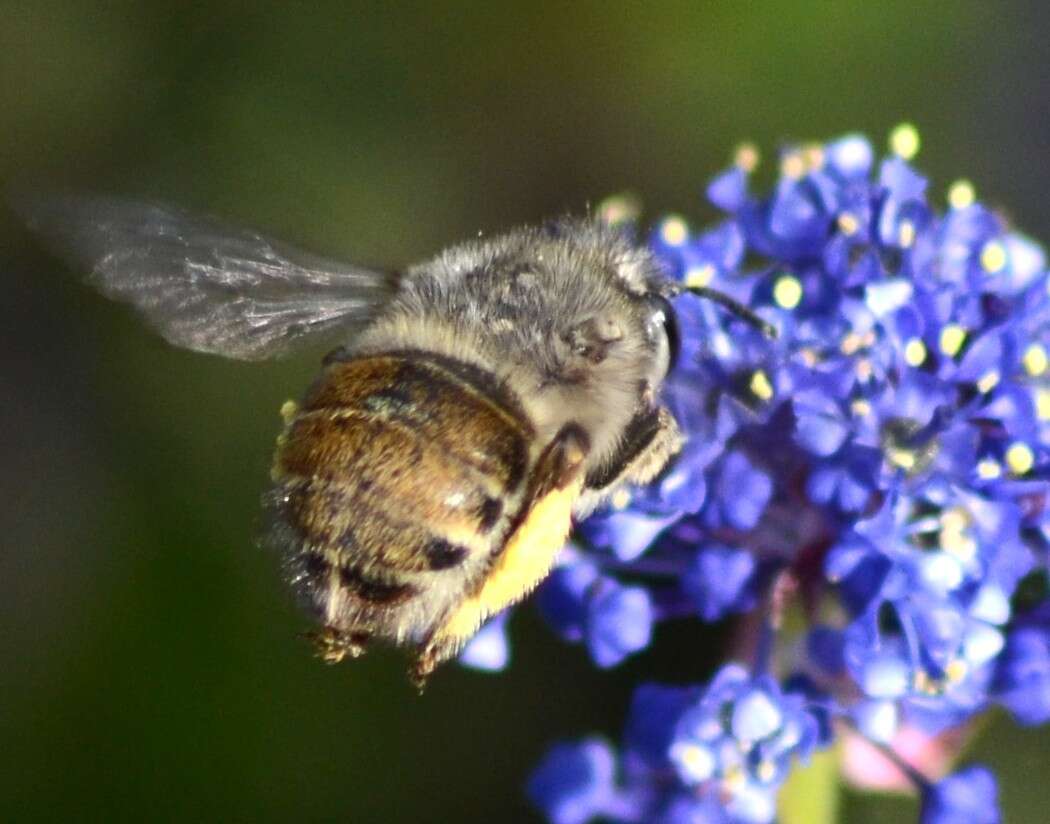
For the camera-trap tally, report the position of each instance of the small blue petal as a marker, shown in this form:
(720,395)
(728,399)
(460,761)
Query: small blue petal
(718,581)
(619,622)
(574,783)
(489,649)
(755,717)
(877,720)
(728,191)
(969,796)
(851,156)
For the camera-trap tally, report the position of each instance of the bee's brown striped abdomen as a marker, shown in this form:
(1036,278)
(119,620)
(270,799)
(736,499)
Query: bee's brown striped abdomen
(396,468)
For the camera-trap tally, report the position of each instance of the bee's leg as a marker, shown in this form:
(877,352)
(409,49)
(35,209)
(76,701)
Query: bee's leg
(526,555)
(651,440)
(332,645)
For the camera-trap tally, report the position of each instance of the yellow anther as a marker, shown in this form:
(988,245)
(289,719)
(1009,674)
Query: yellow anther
(746,157)
(813,153)
(904,141)
(760,385)
(621,499)
(952,339)
(988,469)
(959,544)
(851,343)
(915,352)
(734,779)
(956,671)
(906,234)
(699,275)
(787,291)
(766,771)
(693,757)
(864,369)
(793,165)
(903,458)
(617,210)
(848,223)
(674,231)
(955,519)
(993,256)
(860,407)
(1019,457)
(988,381)
(1042,403)
(1035,360)
(961,194)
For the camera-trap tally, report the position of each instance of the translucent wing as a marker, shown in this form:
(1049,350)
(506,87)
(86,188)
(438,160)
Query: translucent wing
(203,285)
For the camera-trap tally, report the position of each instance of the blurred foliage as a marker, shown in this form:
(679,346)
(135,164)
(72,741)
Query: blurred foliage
(149,665)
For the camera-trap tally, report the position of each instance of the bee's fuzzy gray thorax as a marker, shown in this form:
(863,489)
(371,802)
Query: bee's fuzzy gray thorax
(561,313)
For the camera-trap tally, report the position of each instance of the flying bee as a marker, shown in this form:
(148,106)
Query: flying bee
(476,403)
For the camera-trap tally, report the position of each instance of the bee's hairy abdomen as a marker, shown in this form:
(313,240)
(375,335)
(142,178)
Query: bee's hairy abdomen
(396,480)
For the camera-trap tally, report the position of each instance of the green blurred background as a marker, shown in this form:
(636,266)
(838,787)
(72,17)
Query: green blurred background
(149,665)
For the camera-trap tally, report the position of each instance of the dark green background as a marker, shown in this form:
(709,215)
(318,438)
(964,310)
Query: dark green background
(149,665)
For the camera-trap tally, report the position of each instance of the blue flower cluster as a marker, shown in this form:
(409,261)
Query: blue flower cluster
(877,477)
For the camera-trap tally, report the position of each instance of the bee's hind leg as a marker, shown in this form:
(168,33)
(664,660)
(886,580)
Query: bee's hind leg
(332,644)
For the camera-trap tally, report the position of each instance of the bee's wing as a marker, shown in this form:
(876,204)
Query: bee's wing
(203,285)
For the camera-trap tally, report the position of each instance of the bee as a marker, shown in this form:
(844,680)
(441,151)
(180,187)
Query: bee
(476,404)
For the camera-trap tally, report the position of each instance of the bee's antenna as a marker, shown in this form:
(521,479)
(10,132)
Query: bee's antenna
(737,308)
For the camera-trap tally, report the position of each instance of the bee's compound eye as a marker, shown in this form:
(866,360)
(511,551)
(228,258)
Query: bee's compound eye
(663,329)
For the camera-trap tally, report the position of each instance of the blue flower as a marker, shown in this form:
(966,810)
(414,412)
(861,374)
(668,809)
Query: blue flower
(739,740)
(1023,677)
(875,480)
(582,604)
